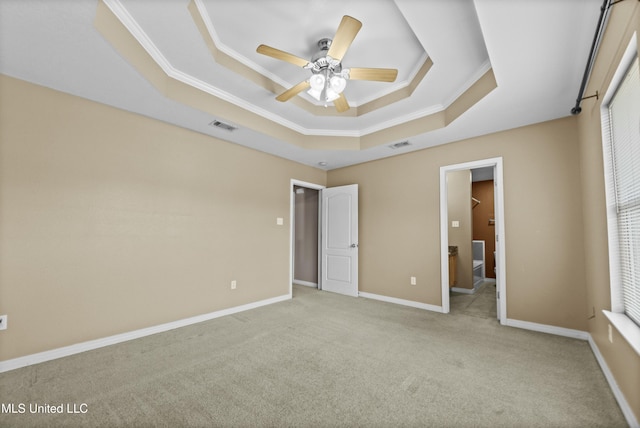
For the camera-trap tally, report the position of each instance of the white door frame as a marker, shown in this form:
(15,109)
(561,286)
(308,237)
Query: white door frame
(500,230)
(292,216)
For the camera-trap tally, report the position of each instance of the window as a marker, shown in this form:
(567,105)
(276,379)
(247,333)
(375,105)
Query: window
(624,157)
(621,148)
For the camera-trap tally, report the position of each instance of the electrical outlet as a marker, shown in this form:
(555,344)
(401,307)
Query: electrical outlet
(610,334)
(413,280)
(3,322)
(233,284)
(455,223)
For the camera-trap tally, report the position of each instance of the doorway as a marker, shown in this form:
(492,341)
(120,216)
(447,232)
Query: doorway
(447,228)
(335,236)
(304,191)
(305,236)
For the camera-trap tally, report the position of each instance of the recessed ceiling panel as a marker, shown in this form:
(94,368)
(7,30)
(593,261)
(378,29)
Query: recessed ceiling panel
(384,41)
(236,28)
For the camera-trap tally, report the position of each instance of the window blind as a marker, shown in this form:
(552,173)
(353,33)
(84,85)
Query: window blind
(624,151)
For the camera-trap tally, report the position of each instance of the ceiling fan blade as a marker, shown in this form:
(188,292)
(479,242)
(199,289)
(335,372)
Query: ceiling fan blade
(281,55)
(347,31)
(341,104)
(290,93)
(376,74)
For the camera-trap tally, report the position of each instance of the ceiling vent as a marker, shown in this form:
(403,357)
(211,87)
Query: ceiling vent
(223,125)
(399,145)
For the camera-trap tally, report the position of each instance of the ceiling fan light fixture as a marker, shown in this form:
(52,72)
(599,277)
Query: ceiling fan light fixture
(332,95)
(317,82)
(332,87)
(338,84)
(315,93)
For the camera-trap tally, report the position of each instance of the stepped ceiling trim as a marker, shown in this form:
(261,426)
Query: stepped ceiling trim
(490,71)
(125,34)
(227,58)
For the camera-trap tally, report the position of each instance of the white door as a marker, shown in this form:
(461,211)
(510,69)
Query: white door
(339,246)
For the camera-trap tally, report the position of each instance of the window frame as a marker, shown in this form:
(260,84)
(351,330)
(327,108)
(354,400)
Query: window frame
(625,325)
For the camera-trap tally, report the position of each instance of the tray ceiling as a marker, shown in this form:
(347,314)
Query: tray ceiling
(465,68)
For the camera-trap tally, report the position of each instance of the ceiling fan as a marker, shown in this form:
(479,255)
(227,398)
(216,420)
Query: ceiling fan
(328,79)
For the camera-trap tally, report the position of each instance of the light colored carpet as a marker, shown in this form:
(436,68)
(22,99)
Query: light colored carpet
(323,359)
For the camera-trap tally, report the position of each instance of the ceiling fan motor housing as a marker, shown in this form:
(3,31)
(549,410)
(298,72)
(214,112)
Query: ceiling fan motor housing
(320,61)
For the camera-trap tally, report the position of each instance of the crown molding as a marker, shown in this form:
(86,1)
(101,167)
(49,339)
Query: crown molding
(208,23)
(481,71)
(145,41)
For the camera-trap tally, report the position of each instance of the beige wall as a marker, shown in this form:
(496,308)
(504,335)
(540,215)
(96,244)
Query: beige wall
(459,209)
(112,222)
(399,221)
(621,359)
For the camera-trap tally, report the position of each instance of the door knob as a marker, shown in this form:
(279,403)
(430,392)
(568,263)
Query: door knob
(354,245)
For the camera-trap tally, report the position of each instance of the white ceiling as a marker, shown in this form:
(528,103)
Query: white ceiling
(537,50)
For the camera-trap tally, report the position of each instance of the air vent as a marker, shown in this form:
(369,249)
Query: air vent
(399,145)
(223,125)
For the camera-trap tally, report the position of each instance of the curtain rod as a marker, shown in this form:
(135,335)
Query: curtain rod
(606,5)
(594,48)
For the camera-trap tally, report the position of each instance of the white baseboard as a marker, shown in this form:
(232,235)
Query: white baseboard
(551,329)
(622,402)
(583,335)
(403,302)
(476,286)
(306,283)
(65,351)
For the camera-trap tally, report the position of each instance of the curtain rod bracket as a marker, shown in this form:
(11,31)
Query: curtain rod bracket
(577,109)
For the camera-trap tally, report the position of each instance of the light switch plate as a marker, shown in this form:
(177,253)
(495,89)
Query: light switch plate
(279,221)
(455,223)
